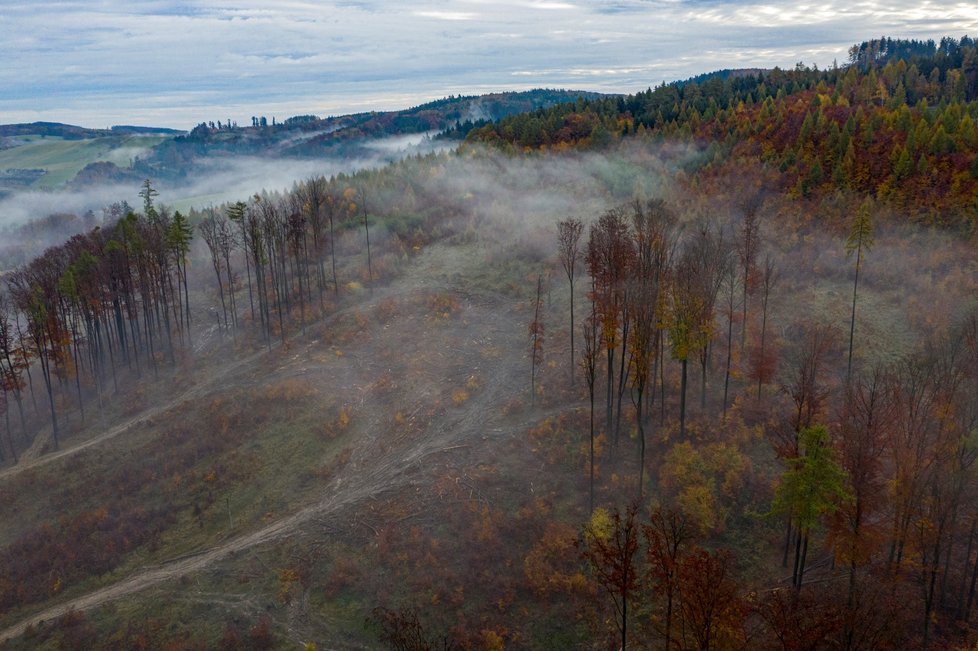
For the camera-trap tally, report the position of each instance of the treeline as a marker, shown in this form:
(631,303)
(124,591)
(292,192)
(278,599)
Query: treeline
(118,297)
(898,123)
(878,482)
(114,297)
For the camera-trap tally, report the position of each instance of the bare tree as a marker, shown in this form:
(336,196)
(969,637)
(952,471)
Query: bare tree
(653,226)
(860,239)
(609,256)
(747,244)
(568,243)
(589,359)
(536,341)
(768,280)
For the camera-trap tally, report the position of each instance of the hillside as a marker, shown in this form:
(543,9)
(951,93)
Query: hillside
(898,124)
(623,350)
(45,162)
(46,155)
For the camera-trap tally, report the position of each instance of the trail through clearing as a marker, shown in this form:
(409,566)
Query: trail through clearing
(381,460)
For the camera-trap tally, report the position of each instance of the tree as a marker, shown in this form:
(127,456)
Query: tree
(763,366)
(332,204)
(713,256)
(11,369)
(730,283)
(609,256)
(807,385)
(401,630)
(747,244)
(315,201)
(860,239)
(589,358)
(712,611)
(34,292)
(178,237)
(695,282)
(536,341)
(669,537)
(216,233)
(653,226)
(237,213)
(864,422)
(610,547)
(813,486)
(366,229)
(568,245)
(147,193)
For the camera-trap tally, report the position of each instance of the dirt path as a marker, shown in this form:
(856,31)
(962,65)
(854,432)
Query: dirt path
(32,458)
(29,461)
(369,474)
(391,472)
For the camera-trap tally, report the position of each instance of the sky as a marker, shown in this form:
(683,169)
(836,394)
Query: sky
(175,63)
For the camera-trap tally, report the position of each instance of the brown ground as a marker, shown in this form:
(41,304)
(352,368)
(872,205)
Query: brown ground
(442,333)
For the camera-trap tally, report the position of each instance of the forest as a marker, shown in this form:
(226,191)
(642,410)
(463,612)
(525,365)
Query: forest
(695,368)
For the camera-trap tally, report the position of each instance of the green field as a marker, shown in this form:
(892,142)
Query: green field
(63,159)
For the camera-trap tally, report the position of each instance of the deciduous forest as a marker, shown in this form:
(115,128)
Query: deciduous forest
(695,368)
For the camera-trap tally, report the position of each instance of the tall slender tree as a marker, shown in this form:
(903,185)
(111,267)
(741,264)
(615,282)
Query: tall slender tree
(568,243)
(859,241)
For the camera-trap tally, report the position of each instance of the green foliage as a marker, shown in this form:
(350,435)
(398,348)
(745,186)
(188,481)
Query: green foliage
(860,237)
(179,234)
(814,484)
(881,128)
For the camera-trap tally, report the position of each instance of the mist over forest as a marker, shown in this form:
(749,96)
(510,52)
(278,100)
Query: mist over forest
(692,368)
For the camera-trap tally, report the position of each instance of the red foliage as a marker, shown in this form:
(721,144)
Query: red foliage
(43,561)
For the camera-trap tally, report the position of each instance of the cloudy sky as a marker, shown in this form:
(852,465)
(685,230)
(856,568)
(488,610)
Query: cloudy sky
(178,62)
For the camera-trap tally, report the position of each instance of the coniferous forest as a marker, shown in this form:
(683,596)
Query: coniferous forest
(694,368)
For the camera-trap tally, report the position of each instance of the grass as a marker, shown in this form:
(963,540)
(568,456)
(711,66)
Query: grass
(275,450)
(63,159)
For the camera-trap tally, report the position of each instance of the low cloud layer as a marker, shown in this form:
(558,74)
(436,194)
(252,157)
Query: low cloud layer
(217,180)
(169,63)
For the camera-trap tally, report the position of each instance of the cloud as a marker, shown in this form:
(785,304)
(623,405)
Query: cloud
(173,63)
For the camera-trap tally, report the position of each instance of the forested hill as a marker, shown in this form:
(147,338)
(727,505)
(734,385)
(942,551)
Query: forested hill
(632,399)
(309,136)
(897,122)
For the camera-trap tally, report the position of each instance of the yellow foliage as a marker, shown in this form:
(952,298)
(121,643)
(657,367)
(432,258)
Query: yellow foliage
(491,641)
(698,504)
(550,566)
(287,577)
(601,525)
(344,418)
(459,396)
(702,478)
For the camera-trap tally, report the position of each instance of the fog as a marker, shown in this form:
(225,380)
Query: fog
(24,215)
(512,203)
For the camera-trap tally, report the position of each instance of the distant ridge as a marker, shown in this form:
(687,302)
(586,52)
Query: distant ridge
(73,132)
(129,129)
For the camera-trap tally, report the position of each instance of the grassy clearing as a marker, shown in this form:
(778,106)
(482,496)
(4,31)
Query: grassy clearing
(63,159)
